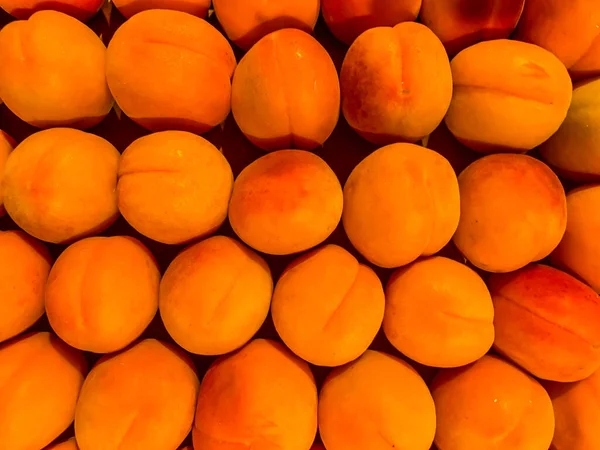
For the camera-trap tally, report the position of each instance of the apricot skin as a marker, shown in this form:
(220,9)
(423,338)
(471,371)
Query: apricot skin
(401,202)
(80,9)
(39,403)
(59,185)
(396,83)
(513,212)
(286,93)
(491,404)
(215,295)
(7,144)
(130,7)
(149,390)
(76,94)
(261,395)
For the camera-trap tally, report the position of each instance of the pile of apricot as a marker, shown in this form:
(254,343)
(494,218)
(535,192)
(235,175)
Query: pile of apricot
(300,225)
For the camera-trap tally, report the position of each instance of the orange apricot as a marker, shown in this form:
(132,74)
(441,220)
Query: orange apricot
(59,185)
(348,19)
(247,21)
(439,313)
(547,322)
(80,9)
(491,404)
(443,142)
(174,186)
(143,397)
(69,444)
(169,70)
(513,212)
(24,267)
(40,380)
(401,202)
(376,402)
(215,296)
(261,396)
(7,144)
(327,307)
(579,251)
(52,72)
(396,83)
(286,202)
(130,7)
(102,293)
(509,96)
(286,93)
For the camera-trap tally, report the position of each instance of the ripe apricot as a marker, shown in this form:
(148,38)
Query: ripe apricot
(59,185)
(174,186)
(444,143)
(262,396)
(401,202)
(80,9)
(513,212)
(130,7)
(7,144)
(286,93)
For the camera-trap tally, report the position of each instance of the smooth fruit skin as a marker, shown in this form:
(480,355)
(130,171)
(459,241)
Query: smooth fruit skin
(80,9)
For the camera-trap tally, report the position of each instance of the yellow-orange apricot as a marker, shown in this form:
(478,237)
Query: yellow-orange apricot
(546,321)
(59,185)
(130,7)
(286,93)
(439,312)
(52,71)
(24,267)
(513,211)
(169,70)
(376,402)
(327,307)
(579,250)
(576,411)
(396,83)
(174,186)
(348,19)
(568,28)
(401,202)
(40,380)
(247,21)
(443,142)
(286,202)
(80,9)
(509,96)
(143,397)
(102,293)
(573,150)
(491,404)
(69,444)
(215,296)
(7,144)
(261,396)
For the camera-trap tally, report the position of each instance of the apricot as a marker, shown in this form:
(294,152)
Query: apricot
(59,185)
(327,307)
(40,380)
(247,21)
(52,72)
(491,404)
(24,9)
(376,402)
(509,96)
(215,296)
(579,250)
(348,19)
(401,202)
(513,212)
(547,322)
(286,202)
(69,444)
(396,83)
(576,409)
(102,293)
(143,397)
(547,23)
(261,396)
(174,186)
(24,267)
(443,142)
(130,7)
(462,23)
(573,150)
(169,70)
(439,313)
(7,145)
(286,93)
